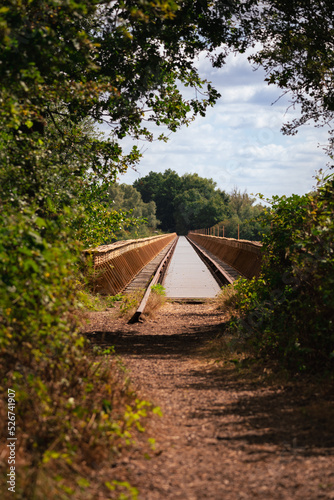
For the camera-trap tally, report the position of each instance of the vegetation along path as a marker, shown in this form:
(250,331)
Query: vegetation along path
(226,433)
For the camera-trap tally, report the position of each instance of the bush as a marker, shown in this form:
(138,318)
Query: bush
(288,313)
(73,409)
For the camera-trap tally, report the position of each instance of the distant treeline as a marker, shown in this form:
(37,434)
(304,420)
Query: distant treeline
(171,203)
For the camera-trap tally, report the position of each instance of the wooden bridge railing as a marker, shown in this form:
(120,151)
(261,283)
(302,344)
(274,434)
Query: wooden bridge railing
(117,264)
(245,256)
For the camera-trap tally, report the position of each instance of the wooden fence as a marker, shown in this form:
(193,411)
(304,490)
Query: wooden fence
(117,264)
(245,256)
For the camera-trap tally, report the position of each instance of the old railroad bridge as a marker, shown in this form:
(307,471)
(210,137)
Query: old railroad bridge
(192,267)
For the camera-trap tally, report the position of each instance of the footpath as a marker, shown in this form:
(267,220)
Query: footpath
(225,434)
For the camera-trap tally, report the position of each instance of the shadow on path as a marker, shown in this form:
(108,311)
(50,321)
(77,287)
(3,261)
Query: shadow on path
(293,417)
(135,342)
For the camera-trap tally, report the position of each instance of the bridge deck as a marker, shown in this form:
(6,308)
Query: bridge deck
(229,271)
(187,276)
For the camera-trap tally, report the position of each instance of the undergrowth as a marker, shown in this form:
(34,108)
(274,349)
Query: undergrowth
(88,301)
(69,421)
(156,300)
(287,314)
(74,410)
(226,299)
(129,303)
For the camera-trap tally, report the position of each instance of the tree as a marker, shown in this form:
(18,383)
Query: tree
(194,210)
(162,189)
(183,203)
(296,51)
(246,214)
(200,204)
(64,64)
(126,198)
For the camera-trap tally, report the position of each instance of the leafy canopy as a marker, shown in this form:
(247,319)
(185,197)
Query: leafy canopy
(296,50)
(65,65)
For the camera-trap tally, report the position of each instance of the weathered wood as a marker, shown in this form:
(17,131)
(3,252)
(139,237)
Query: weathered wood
(154,280)
(144,276)
(120,262)
(244,256)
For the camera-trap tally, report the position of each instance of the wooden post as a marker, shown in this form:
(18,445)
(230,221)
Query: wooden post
(238,232)
(223,231)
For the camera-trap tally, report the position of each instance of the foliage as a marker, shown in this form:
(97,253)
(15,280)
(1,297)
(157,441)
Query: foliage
(161,188)
(288,311)
(157,299)
(183,203)
(82,414)
(193,202)
(71,60)
(296,52)
(94,302)
(64,66)
(127,198)
(35,267)
(101,226)
(130,302)
(244,213)
(60,389)
(158,289)
(226,299)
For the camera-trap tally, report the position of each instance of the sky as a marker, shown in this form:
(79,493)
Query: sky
(239,143)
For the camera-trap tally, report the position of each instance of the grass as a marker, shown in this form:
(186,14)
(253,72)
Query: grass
(96,302)
(130,303)
(156,300)
(226,299)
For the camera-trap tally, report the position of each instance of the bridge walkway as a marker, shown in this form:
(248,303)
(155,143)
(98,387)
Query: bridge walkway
(187,276)
(229,271)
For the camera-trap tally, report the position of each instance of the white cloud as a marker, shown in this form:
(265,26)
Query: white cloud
(239,142)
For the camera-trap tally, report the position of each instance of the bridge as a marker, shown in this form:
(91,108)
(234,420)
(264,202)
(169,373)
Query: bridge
(192,267)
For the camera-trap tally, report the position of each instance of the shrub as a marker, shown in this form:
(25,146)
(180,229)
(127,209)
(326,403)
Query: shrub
(288,312)
(73,409)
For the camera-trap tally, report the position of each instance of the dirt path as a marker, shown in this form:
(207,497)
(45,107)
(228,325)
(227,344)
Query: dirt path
(221,437)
